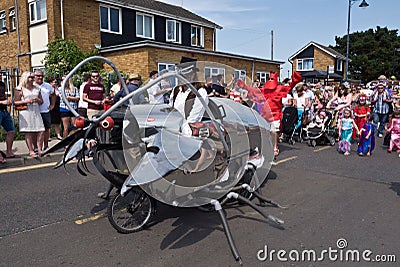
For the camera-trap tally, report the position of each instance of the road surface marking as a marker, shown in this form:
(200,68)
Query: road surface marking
(26,168)
(90,219)
(34,166)
(283,160)
(322,148)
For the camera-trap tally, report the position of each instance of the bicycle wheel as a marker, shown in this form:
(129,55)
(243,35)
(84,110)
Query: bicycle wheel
(132,212)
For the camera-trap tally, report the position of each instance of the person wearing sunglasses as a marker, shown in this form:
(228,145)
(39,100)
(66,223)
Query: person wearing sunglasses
(94,93)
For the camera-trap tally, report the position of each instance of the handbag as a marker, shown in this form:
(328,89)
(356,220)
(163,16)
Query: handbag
(21,106)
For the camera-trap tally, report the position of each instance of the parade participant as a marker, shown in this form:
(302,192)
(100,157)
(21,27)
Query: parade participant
(273,94)
(361,111)
(346,125)
(367,137)
(190,106)
(394,131)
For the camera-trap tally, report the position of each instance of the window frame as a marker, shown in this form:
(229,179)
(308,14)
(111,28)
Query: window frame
(108,30)
(169,66)
(144,26)
(301,61)
(241,74)
(34,4)
(262,76)
(200,43)
(3,28)
(13,19)
(213,72)
(339,65)
(177,32)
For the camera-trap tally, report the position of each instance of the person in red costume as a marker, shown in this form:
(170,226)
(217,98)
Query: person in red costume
(273,94)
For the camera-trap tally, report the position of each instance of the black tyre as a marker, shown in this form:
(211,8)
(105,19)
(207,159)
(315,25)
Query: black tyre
(132,212)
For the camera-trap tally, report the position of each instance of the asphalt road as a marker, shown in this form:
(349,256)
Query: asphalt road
(329,197)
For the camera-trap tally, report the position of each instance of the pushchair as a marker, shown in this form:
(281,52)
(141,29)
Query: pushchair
(289,122)
(316,134)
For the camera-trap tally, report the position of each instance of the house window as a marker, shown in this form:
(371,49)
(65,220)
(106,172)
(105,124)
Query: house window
(13,20)
(241,74)
(37,10)
(173,31)
(262,76)
(2,21)
(168,66)
(144,26)
(305,64)
(197,36)
(213,72)
(110,19)
(339,65)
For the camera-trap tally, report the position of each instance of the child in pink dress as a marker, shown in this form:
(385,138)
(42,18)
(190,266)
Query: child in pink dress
(394,130)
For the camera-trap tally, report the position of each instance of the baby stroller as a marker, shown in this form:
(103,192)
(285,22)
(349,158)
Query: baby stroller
(289,122)
(318,133)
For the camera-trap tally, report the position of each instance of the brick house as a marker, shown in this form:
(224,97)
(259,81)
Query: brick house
(137,35)
(317,63)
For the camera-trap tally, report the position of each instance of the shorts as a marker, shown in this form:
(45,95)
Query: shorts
(46,120)
(67,114)
(6,121)
(275,126)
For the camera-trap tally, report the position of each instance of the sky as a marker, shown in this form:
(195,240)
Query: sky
(247,24)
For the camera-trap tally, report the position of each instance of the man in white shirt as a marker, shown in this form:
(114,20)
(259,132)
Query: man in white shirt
(82,105)
(49,100)
(156,94)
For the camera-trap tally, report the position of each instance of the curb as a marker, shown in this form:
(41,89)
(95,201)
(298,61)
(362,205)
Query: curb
(26,160)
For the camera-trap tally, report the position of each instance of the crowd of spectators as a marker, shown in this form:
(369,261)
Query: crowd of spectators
(45,108)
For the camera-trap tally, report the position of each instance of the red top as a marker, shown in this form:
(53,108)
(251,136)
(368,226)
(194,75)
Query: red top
(94,92)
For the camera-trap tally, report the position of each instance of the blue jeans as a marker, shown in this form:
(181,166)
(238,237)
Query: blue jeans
(381,118)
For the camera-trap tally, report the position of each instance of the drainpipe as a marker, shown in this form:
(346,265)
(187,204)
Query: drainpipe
(252,72)
(62,19)
(18,33)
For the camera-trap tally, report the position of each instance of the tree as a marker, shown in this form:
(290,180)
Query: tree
(371,53)
(63,55)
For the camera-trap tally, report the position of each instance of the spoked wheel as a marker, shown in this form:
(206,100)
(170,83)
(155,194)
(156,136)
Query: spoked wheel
(313,143)
(132,212)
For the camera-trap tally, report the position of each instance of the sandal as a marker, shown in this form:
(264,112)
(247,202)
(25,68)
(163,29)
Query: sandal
(276,152)
(33,155)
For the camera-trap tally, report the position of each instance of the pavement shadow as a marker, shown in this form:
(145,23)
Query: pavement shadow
(395,187)
(190,227)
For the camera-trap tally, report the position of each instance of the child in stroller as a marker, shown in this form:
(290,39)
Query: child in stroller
(316,130)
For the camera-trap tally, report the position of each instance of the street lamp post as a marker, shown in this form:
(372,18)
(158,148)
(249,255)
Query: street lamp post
(351,2)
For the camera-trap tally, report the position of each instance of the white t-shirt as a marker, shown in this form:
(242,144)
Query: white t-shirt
(152,91)
(45,90)
(81,103)
(198,109)
(301,100)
